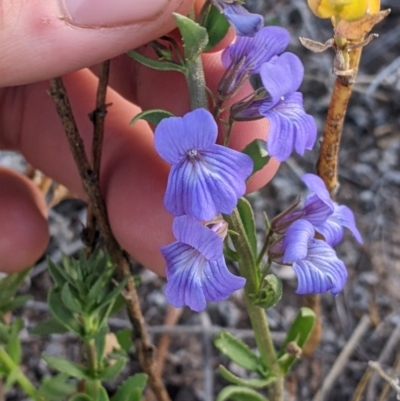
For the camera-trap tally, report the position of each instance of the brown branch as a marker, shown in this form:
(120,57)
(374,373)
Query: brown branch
(327,165)
(97,117)
(90,181)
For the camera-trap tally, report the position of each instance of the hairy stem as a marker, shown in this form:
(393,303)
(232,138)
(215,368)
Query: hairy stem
(258,318)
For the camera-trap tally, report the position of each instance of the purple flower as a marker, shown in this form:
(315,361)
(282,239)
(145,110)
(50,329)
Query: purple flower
(244,22)
(196,269)
(205,179)
(315,263)
(328,217)
(247,54)
(290,128)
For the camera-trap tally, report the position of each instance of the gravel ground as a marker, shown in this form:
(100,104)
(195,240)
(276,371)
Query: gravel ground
(370,186)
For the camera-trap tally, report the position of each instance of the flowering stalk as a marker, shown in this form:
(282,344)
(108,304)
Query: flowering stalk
(247,264)
(258,318)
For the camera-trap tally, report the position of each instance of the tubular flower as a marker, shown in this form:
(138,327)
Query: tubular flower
(205,179)
(196,269)
(247,54)
(327,217)
(344,9)
(315,263)
(244,22)
(290,128)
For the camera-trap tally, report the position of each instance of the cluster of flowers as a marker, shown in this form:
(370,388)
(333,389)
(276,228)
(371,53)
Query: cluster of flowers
(207,179)
(307,238)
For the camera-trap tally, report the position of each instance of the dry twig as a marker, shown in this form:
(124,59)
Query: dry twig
(393,383)
(342,359)
(90,181)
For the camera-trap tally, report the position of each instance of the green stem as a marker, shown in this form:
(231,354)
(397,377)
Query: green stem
(196,83)
(258,318)
(196,80)
(228,132)
(91,355)
(20,378)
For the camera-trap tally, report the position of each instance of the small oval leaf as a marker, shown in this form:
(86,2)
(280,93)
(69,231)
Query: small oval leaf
(154,64)
(217,27)
(68,367)
(194,36)
(257,150)
(255,383)
(237,393)
(154,116)
(298,334)
(237,351)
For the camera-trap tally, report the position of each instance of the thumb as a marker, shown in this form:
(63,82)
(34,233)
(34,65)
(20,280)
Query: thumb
(41,39)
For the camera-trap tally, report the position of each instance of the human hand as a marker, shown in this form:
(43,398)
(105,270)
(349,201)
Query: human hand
(39,41)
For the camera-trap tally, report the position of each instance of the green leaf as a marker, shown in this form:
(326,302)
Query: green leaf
(255,383)
(194,36)
(49,326)
(80,397)
(11,377)
(11,284)
(69,300)
(56,388)
(64,366)
(217,27)
(154,64)
(112,371)
(237,393)
(237,351)
(57,273)
(124,338)
(102,394)
(13,349)
(270,293)
(131,389)
(61,313)
(249,224)
(230,254)
(153,116)
(18,302)
(257,150)
(100,340)
(298,333)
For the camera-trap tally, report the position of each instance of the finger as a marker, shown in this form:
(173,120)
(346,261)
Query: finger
(40,39)
(23,229)
(133,177)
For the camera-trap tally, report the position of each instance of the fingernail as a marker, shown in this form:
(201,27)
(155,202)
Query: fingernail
(111,12)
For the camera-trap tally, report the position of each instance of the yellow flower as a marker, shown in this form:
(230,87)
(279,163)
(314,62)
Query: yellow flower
(344,9)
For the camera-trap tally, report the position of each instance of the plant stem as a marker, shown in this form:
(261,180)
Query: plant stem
(20,378)
(196,83)
(258,318)
(327,166)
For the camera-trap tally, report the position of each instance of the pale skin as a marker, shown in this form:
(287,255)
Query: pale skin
(36,45)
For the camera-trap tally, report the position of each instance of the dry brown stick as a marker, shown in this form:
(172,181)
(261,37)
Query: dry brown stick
(97,117)
(327,165)
(387,351)
(386,389)
(362,384)
(343,357)
(171,319)
(389,380)
(146,351)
